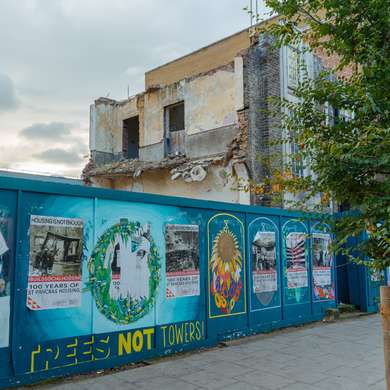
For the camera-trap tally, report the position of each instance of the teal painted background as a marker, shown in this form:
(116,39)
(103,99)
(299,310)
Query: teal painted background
(71,340)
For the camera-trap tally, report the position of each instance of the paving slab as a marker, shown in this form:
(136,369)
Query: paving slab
(346,355)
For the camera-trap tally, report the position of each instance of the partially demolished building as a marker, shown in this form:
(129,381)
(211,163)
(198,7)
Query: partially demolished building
(201,123)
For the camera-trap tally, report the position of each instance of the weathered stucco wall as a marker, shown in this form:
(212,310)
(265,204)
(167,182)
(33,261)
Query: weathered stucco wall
(106,123)
(201,61)
(209,102)
(213,94)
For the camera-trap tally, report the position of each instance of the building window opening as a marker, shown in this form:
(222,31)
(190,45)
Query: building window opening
(176,117)
(175,129)
(131,138)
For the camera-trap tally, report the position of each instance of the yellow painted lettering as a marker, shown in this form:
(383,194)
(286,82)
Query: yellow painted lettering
(148,333)
(186,332)
(164,328)
(124,343)
(192,331)
(198,331)
(179,334)
(138,341)
(33,353)
(171,335)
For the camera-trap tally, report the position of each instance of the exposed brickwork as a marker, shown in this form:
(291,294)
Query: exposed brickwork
(331,62)
(263,71)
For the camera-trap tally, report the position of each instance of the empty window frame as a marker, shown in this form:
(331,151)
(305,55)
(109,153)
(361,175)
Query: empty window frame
(175,117)
(175,129)
(130,142)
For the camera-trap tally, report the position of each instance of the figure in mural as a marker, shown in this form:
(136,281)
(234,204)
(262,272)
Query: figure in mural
(4,295)
(132,258)
(128,263)
(226,267)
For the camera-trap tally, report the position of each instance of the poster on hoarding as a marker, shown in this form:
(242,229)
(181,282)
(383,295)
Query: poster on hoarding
(296,260)
(322,259)
(264,262)
(3,245)
(182,261)
(56,251)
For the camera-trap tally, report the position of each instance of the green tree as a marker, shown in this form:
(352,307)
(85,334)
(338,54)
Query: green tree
(341,124)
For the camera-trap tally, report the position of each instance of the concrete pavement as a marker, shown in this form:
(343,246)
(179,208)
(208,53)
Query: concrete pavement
(345,355)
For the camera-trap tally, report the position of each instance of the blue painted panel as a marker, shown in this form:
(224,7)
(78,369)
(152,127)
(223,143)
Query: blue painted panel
(227,301)
(7,254)
(264,271)
(44,325)
(296,270)
(116,322)
(364,285)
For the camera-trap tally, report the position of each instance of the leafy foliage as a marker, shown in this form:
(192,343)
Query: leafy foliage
(122,310)
(341,123)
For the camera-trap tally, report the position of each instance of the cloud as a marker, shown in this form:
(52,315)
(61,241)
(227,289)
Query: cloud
(60,156)
(8,98)
(53,131)
(106,46)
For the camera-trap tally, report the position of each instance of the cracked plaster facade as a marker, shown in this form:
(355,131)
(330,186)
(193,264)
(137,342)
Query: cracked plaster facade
(225,88)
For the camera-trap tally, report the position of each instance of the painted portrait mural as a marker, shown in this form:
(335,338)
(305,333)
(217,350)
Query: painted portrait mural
(124,272)
(263,241)
(295,249)
(226,271)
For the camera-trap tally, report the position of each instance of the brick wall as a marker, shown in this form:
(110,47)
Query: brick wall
(263,82)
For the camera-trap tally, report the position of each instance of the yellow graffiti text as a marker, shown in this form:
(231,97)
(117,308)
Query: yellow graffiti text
(183,333)
(130,342)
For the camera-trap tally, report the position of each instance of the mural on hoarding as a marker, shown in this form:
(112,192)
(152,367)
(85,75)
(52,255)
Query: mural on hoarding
(226,266)
(263,235)
(124,272)
(295,256)
(93,348)
(182,261)
(5,270)
(124,313)
(124,309)
(56,251)
(322,261)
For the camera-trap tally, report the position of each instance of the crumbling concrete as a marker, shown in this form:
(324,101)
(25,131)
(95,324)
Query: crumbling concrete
(228,134)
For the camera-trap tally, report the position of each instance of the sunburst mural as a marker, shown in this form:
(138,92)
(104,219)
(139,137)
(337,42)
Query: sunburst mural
(225,269)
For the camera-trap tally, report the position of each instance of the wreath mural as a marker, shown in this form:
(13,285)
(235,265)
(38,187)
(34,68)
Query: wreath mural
(124,272)
(226,267)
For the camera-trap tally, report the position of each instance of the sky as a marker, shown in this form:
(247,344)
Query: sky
(58,56)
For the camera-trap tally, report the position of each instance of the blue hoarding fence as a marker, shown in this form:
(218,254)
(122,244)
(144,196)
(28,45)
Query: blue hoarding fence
(93,278)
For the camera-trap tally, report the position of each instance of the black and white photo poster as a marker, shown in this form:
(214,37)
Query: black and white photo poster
(182,261)
(264,262)
(56,251)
